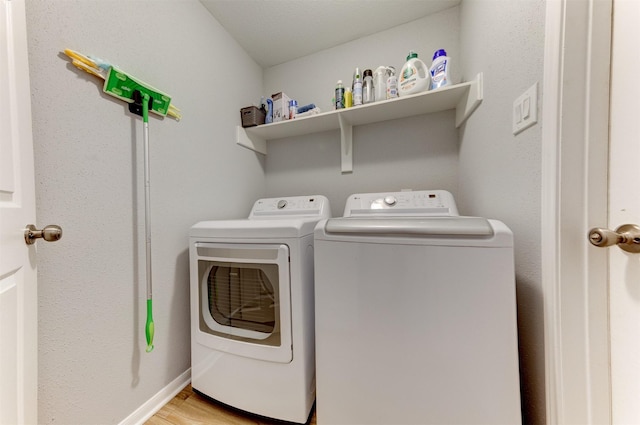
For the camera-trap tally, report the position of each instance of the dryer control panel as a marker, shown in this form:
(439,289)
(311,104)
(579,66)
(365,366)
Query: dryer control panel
(421,203)
(299,206)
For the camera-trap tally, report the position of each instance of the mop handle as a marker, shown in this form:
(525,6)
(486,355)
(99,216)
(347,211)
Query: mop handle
(149,327)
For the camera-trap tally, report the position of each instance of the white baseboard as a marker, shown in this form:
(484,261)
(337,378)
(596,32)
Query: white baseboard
(155,403)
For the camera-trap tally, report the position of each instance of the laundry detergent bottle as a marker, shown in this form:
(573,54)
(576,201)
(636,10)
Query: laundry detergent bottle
(414,76)
(440,70)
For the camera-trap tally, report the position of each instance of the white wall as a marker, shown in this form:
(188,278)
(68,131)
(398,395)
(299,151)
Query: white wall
(89,175)
(419,152)
(499,172)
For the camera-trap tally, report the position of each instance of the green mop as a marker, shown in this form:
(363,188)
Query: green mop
(149,327)
(142,99)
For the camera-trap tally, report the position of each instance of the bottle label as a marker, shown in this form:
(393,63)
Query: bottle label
(392,87)
(340,98)
(408,78)
(439,68)
(439,74)
(408,73)
(357,93)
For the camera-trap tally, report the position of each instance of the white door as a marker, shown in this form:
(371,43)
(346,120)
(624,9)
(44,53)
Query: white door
(624,207)
(18,294)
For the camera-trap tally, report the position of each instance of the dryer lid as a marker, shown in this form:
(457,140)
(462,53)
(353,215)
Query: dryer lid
(254,229)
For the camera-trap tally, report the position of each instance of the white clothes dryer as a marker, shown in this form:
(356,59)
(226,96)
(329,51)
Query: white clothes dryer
(415,314)
(252,308)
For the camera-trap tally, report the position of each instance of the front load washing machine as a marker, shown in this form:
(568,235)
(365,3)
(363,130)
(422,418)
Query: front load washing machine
(252,308)
(415,314)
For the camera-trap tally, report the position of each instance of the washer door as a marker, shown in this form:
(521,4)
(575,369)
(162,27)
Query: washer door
(244,299)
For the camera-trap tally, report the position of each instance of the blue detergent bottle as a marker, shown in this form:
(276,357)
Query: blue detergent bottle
(440,70)
(269,118)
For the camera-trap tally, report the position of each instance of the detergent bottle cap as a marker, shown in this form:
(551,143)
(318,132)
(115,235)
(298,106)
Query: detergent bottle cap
(412,55)
(439,53)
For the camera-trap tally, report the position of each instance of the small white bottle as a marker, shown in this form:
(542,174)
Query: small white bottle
(440,70)
(357,87)
(367,87)
(392,84)
(380,83)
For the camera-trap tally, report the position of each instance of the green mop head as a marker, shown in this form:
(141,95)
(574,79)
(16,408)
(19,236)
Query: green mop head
(122,85)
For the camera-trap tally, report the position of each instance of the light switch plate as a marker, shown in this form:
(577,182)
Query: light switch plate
(525,109)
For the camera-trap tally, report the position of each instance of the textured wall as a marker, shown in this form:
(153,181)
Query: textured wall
(500,172)
(412,153)
(89,175)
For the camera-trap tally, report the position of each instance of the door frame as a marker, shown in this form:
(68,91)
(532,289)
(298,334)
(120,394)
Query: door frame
(575,141)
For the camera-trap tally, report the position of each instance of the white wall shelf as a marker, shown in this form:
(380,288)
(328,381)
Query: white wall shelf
(464,98)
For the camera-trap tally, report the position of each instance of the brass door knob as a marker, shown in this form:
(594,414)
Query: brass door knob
(50,233)
(627,237)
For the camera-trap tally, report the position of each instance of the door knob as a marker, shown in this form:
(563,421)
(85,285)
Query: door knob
(50,233)
(627,237)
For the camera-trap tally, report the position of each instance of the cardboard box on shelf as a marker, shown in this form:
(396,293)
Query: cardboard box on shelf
(280,106)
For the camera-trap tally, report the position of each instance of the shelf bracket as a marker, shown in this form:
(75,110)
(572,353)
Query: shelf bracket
(346,145)
(469,103)
(252,142)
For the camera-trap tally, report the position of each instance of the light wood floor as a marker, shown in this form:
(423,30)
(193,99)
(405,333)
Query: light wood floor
(189,408)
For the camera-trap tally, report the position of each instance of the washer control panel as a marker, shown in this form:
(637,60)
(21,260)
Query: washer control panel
(315,205)
(415,203)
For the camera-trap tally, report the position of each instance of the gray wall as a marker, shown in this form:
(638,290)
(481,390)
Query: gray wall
(89,179)
(499,172)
